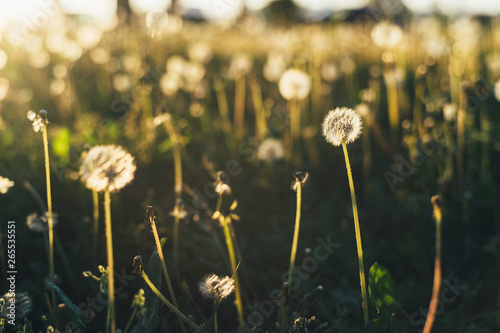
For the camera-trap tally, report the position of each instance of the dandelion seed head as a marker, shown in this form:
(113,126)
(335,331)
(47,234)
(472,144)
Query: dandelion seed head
(450,111)
(386,34)
(294,84)
(37,120)
(22,301)
(270,150)
(5,184)
(341,124)
(212,286)
(107,168)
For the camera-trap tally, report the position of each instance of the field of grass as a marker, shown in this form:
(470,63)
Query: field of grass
(214,164)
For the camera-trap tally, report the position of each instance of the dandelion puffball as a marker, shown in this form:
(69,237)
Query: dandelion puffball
(215,287)
(341,125)
(294,84)
(107,168)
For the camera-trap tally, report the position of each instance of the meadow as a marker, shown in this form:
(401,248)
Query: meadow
(187,169)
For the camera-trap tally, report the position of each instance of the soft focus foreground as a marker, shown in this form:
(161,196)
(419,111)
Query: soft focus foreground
(209,123)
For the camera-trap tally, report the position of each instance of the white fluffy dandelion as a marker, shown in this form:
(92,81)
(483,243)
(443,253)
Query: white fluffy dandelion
(386,35)
(107,168)
(341,124)
(212,286)
(270,150)
(294,84)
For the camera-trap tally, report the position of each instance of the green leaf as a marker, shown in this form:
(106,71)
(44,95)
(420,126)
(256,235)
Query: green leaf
(382,288)
(154,272)
(61,144)
(74,312)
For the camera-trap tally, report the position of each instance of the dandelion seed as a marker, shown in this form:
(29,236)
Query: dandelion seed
(450,111)
(40,223)
(294,84)
(386,35)
(341,124)
(37,120)
(5,184)
(212,286)
(270,150)
(107,168)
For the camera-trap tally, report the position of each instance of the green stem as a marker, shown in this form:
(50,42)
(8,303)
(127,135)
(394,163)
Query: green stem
(232,257)
(215,316)
(239,106)
(178,186)
(130,320)
(298,186)
(165,271)
(167,303)
(111,272)
(358,236)
(429,322)
(95,202)
(51,221)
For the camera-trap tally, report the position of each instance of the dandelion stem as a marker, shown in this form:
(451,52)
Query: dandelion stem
(239,106)
(298,186)
(165,271)
(358,235)
(429,322)
(111,275)
(95,202)
(167,303)
(260,114)
(232,257)
(130,320)
(178,186)
(49,210)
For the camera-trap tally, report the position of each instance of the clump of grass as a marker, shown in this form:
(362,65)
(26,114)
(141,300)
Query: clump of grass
(438,214)
(108,169)
(340,127)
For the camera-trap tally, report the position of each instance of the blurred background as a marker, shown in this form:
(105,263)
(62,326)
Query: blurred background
(423,75)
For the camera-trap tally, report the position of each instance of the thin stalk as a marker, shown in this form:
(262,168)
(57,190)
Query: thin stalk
(224,112)
(178,186)
(392,103)
(167,303)
(239,106)
(49,210)
(232,257)
(111,272)
(216,305)
(295,151)
(95,202)
(165,271)
(130,320)
(431,315)
(358,236)
(298,186)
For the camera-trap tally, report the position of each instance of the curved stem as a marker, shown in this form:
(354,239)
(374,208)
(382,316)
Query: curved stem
(362,278)
(167,303)
(111,272)
(165,271)
(295,235)
(431,315)
(95,202)
(51,220)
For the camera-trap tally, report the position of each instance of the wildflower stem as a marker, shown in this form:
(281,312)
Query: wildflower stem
(49,210)
(298,186)
(167,303)
(111,275)
(260,114)
(239,106)
(232,258)
(216,305)
(358,235)
(429,322)
(165,271)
